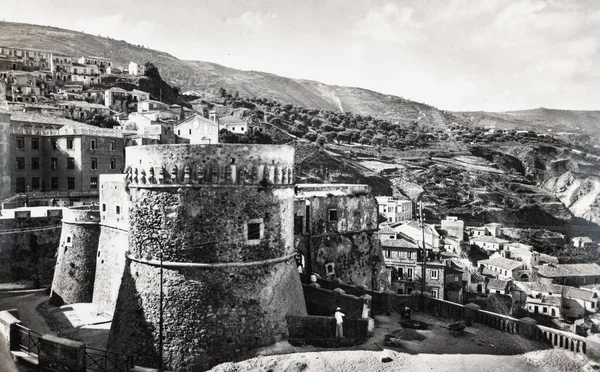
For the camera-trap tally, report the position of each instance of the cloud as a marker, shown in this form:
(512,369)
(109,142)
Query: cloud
(390,23)
(252,20)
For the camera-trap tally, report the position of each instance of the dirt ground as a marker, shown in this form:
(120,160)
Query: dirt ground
(480,349)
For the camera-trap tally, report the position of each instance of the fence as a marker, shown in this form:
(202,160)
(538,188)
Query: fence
(527,328)
(55,351)
(320,331)
(106,361)
(28,340)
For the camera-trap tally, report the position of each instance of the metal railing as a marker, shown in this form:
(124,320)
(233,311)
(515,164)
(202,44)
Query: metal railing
(29,341)
(106,361)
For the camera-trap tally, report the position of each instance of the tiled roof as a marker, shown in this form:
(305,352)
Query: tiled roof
(580,294)
(398,243)
(497,284)
(489,239)
(566,270)
(83,104)
(487,271)
(32,117)
(545,300)
(503,263)
(547,258)
(539,286)
(386,229)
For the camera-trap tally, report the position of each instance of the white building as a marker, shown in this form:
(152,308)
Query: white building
(136,68)
(454,227)
(504,267)
(413,230)
(395,210)
(198,130)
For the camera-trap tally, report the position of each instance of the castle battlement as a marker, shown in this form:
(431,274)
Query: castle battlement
(198,165)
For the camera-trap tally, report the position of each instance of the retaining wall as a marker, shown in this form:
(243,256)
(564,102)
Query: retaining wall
(528,329)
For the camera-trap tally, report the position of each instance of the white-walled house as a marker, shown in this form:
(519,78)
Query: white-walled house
(489,243)
(394,209)
(198,130)
(136,68)
(578,301)
(504,267)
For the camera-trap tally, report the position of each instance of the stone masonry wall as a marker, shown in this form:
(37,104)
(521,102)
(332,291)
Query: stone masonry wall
(350,242)
(110,266)
(30,254)
(76,262)
(223,292)
(6,151)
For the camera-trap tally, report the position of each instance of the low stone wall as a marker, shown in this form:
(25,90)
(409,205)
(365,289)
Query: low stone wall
(320,330)
(381,301)
(8,328)
(320,301)
(525,328)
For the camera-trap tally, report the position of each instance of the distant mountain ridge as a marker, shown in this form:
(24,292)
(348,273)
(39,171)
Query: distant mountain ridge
(207,76)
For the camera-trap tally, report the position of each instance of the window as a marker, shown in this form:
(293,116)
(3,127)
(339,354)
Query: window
(434,293)
(253,231)
(21,184)
(71,183)
(333,215)
(35,143)
(544,309)
(592,305)
(113,163)
(190,131)
(103,207)
(20,163)
(35,163)
(178,132)
(71,163)
(118,209)
(409,272)
(434,274)
(35,183)
(93,144)
(93,182)
(54,143)
(298,221)
(53,163)
(94,163)
(70,143)
(54,183)
(112,146)
(20,142)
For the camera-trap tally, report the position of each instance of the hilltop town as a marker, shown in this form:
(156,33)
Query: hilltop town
(202,226)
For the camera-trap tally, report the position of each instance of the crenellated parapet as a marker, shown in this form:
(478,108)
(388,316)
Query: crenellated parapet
(228,164)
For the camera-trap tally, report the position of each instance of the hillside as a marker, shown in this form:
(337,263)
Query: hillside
(205,76)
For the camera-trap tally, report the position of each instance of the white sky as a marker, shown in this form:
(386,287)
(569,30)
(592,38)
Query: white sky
(454,54)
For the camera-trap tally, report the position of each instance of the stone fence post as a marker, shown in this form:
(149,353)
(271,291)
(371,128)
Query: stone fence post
(8,329)
(57,353)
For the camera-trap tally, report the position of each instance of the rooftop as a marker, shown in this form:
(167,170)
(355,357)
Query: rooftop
(502,263)
(539,286)
(580,294)
(319,190)
(83,104)
(398,243)
(489,239)
(567,270)
(497,284)
(429,229)
(35,118)
(545,300)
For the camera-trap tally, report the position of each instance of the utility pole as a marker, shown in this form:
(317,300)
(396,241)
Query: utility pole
(424,253)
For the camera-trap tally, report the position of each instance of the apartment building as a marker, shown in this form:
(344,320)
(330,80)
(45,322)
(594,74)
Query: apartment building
(57,157)
(394,209)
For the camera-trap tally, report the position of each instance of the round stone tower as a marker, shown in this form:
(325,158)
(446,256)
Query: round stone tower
(75,270)
(221,219)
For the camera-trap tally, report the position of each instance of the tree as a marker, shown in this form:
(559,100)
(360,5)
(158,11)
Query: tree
(222,92)
(321,140)
(311,136)
(152,71)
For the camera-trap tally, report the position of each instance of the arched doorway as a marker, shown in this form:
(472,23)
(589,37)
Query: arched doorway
(524,277)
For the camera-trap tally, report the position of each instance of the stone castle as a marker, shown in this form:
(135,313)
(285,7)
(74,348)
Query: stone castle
(220,219)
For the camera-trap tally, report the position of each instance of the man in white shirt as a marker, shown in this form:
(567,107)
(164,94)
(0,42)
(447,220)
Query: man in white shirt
(339,321)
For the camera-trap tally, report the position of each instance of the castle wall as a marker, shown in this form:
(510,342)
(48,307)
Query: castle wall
(221,219)
(346,247)
(30,253)
(113,243)
(76,262)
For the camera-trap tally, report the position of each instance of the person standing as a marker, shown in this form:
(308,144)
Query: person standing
(339,323)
